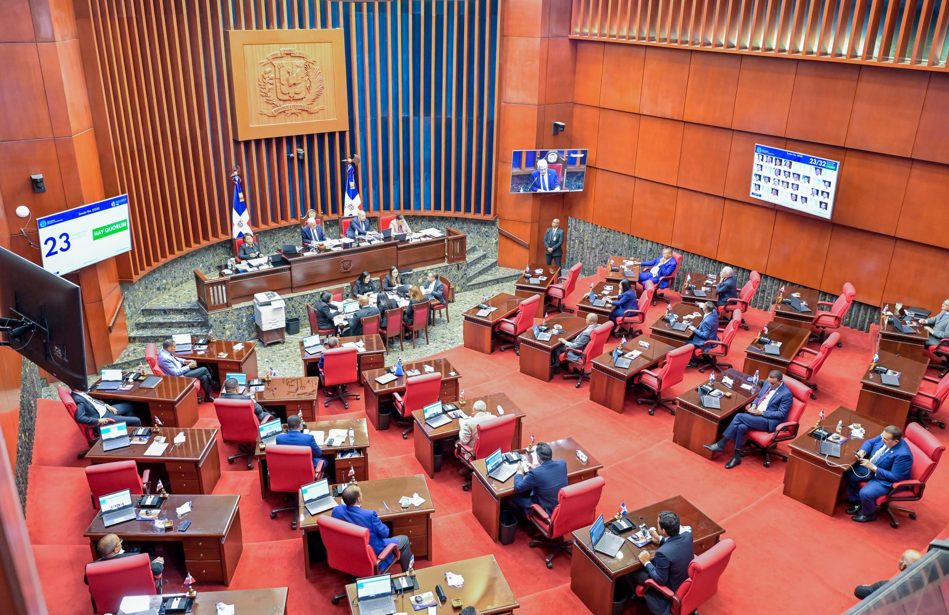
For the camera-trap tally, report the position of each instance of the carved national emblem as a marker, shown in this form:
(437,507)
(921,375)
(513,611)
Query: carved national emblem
(345,266)
(291,83)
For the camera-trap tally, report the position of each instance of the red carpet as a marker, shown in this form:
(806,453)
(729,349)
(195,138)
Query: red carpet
(800,560)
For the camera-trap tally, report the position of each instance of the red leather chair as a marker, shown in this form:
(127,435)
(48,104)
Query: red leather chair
(420,391)
(151,357)
(563,288)
(498,433)
(742,303)
(344,226)
(106,478)
(669,278)
(88,431)
(927,451)
(237,246)
(939,354)
(340,368)
(448,295)
(315,323)
(626,324)
(656,382)
(557,168)
(420,312)
(765,442)
(348,550)
(512,328)
(578,369)
(924,404)
(238,424)
(385,221)
(808,362)
(112,579)
(713,349)
(370,324)
(833,319)
(289,467)
(576,508)
(393,328)
(704,572)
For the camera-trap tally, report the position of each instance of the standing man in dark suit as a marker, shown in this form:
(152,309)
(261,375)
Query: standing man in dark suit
(553,243)
(351,511)
(358,226)
(909,557)
(312,233)
(884,460)
(542,484)
(296,437)
(355,319)
(230,392)
(571,349)
(91,411)
(727,286)
(670,566)
(769,410)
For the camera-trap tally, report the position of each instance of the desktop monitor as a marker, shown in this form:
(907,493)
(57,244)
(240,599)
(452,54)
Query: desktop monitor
(540,171)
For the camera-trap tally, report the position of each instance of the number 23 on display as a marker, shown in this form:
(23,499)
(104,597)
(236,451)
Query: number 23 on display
(51,242)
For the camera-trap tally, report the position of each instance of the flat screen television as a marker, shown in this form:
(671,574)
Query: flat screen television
(548,170)
(79,237)
(797,181)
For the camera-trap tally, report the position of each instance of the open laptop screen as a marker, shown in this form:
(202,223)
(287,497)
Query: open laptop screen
(350,307)
(111,375)
(313,340)
(371,587)
(115,430)
(493,460)
(269,429)
(115,501)
(182,339)
(240,378)
(596,531)
(315,491)
(432,410)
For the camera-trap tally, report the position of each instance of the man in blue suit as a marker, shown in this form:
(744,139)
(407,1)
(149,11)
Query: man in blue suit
(544,179)
(707,329)
(352,512)
(727,286)
(658,268)
(296,437)
(358,226)
(670,566)
(312,233)
(884,460)
(769,410)
(542,484)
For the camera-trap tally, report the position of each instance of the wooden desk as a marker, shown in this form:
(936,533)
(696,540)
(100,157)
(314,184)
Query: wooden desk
(584,306)
(415,523)
(286,396)
(524,289)
(792,338)
(631,272)
(246,602)
(701,281)
(593,576)
(485,588)
(426,437)
(377,394)
(243,361)
(608,384)
(696,425)
(174,402)
(339,470)
(536,355)
(479,330)
(371,355)
(809,479)
(787,314)
(212,545)
(891,404)
(488,495)
(896,341)
(662,330)
(192,467)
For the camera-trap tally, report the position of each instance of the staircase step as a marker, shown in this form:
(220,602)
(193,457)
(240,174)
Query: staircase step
(155,336)
(482,269)
(190,308)
(184,322)
(474,258)
(498,276)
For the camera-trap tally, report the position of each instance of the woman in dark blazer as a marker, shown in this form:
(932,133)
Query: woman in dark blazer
(626,300)
(384,303)
(415,296)
(392,281)
(325,312)
(364,285)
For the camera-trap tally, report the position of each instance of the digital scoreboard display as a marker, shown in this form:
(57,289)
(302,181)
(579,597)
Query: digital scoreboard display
(77,238)
(804,183)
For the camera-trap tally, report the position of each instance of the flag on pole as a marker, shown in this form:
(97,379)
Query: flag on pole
(240,216)
(351,203)
(189,580)
(622,509)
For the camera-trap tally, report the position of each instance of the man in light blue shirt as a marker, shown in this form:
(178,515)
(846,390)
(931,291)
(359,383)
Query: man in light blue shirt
(173,366)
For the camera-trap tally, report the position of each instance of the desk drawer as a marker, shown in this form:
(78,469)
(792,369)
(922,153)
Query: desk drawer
(373,361)
(188,474)
(182,486)
(410,527)
(419,546)
(448,389)
(205,570)
(201,543)
(182,466)
(167,417)
(210,553)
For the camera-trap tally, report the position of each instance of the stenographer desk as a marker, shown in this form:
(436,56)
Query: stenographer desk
(377,394)
(792,338)
(370,355)
(608,383)
(382,495)
(890,404)
(479,330)
(525,288)
(695,425)
(174,401)
(536,355)
(191,467)
(221,358)
(488,495)
(271,601)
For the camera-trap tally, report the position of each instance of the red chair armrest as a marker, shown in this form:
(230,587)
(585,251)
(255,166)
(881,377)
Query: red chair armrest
(318,468)
(932,379)
(785,431)
(535,511)
(712,343)
(654,375)
(665,591)
(737,302)
(628,313)
(465,447)
(807,350)
(385,553)
(806,368)
(906,490)
(932,397)
(561,279)
(825,304)
(145,475)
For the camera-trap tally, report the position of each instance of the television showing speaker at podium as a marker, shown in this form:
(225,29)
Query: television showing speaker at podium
(548,170)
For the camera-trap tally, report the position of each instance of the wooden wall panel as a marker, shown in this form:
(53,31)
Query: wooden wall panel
(613,201)
(665,81)
(858,257)
(738,177)
(713,82)
(559,14)
(586,89)
(19,160)
(763,99)
(615,148)
(920,276)
(22,85)
(17,24)
(657,155)
(704,160)
(754,226)
(561,70)
(524,79)
(526,18)
(557,113)
(886,110)
(654,208)
(798,249)
(580,204)
(870,191)
(622,80)
(523,124)
(65,87)
(698,221)
(924,216)
(586,126)
(932,136)
(821,102)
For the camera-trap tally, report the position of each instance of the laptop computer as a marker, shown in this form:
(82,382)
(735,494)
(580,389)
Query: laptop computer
(797,305)
(711,402)
(182,342)
(498,469)
(698,292)
(241,381)
(621,362)
(116,507)
(374,595)
(605,542)
(680,326)
(888,380)
(111,379)
(350,306)
(599,303)
(772,349)
(386,233)
(400,236)
(830,449)
(542,336)
(435,415)
(151,382)
(900,326)
(288,249)
(114,436)
(316,497)
(916,313)
(270,431)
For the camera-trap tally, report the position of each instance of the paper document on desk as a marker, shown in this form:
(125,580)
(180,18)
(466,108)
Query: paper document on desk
(319,436)
(351,345)
(416,500)
(156,449)
(428,369)
(238,347)
(224,609)
(455,580)
(134,604)
(338,435)
(184,509)
(180,438)
(386,378)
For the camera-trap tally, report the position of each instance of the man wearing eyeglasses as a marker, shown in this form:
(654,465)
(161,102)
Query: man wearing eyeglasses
(884,460)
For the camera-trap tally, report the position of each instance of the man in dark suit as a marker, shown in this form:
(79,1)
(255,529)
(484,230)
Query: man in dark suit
(296,437)
(553,243)
(937,326)
(110,547)
(542,484)
(91,411)
(358,226)
(884,460)
(355,319)
(544,179)
(768,411)
(574,347)
(727,286)
(670,566)
(909,557)
(707,329)
(312,233)
(352,512)
(657,268)
(433,288)
(230,392)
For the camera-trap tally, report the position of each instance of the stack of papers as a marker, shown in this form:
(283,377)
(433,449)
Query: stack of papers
(455,580)
(338,435)
(180,438)
(238,347)
(319,436)
(184,509)
(156,449)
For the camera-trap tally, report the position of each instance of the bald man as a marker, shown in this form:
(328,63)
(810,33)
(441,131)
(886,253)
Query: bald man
(359,226)
(909,557)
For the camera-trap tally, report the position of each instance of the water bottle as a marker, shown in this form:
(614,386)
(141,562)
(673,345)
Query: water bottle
(755,380)
(352,436)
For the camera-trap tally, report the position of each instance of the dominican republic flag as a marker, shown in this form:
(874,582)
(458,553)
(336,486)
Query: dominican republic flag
(352,203)
(240,217)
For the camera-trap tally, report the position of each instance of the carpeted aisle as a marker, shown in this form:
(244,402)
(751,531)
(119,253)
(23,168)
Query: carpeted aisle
(792,557)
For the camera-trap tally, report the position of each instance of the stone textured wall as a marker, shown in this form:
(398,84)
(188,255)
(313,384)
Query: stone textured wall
(30,390)
(592,245)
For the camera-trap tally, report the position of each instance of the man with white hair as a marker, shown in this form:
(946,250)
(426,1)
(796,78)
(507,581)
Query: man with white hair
(468,431)
(544,179)
(358,226)
(727,286)
(312,233)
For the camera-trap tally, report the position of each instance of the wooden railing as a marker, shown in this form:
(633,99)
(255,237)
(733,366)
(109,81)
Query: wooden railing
(212,294)
(117,312)
(457,245)
(513,237)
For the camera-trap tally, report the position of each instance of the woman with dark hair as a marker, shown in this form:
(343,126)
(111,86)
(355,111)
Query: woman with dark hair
(415,296)
(384,303)
(325,312)
(625,300)
(392,281)
(364,285)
